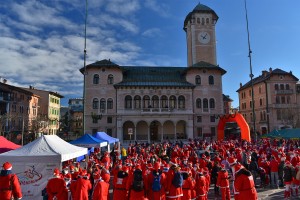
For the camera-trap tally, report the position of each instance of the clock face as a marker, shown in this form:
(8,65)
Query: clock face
(204,37)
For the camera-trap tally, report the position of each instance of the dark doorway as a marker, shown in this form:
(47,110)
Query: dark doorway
(154,131)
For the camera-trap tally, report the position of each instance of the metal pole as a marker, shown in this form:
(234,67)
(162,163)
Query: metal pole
(251,75)
(84,66)
(22,130)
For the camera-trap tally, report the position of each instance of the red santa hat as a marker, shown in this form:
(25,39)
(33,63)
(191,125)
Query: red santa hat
(238,167)
(96,175)
(287,163)
(105,177)
(56,172)
(125,169)
(138,166)
(68,176)
(156,166)
(231,161)
(173,161)
(7,166)
(222,166)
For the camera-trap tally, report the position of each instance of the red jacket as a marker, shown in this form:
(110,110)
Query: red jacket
(134,195)
(160,194)
(223,179)
(7,193)
(201,187)
(171,191)
(244,186)
(100,191)
(82,189)
(119,185)
(274,165)
(56,187)
(187,188)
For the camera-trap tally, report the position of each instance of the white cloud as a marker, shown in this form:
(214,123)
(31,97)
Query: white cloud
(153,32)
(158,7)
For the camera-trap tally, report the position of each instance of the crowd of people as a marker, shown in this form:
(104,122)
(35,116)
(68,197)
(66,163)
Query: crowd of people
(180,171)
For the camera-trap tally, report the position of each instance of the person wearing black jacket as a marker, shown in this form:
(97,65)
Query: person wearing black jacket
(288,174)
(214,176)
(280,172)
(253,168)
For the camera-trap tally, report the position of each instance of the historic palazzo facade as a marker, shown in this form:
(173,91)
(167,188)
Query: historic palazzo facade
(156,103)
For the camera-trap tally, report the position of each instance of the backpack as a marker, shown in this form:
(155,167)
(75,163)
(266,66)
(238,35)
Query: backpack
(177,180)
(138,183)
(156,186)
(121,175)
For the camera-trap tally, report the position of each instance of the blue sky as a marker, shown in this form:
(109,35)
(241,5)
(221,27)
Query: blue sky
(42,40)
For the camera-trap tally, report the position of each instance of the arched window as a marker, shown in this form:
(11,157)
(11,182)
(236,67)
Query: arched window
(95,103)
(137,102)
(155,101)
(110,79)
(164,101)
(287,86)
(172,103)
(212,103)
(198,80)
(207,20)
(96,79)
(181,102)
(288,99)
(128,102)
(205,105)
(198,103)
(110,104)
(211,80)
(146,102)
(102,104)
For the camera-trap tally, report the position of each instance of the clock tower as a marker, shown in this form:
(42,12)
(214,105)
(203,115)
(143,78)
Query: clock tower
(199,26)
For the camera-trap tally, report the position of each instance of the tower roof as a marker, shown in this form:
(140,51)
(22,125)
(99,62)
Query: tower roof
(200,8)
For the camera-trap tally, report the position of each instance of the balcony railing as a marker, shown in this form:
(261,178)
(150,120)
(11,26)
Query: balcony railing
(284,91)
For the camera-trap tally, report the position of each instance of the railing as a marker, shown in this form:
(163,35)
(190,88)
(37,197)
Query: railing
(284,91)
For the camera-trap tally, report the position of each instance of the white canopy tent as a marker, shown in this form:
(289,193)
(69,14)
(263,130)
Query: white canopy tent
(34,162)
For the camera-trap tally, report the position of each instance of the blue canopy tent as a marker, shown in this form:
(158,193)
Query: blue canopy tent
(89,141)
(105,137)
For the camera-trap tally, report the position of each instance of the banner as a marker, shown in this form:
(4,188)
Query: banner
(33,178)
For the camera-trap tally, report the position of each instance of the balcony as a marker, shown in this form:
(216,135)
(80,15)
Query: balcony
(284,91)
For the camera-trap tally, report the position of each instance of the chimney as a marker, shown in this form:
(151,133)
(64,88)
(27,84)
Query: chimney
(4,81)
(270,69)
(264,73)
(241,85)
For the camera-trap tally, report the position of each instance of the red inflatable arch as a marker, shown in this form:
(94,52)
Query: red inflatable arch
(239,119)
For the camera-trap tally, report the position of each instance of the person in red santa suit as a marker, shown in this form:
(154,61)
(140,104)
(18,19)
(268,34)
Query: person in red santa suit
(173,192)
(156,183)
(119,184)
(136,184)
(223,183)
(101,187)
(9,183)
(244,184)
(56,187)
(188,184)
(83,186)
(200,186)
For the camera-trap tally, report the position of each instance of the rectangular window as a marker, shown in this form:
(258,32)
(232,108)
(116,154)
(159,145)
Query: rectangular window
(109,120)
(213,131)
(109,131)
(199,132)
(278,113)
(199,119)
(212,118)
(95,120)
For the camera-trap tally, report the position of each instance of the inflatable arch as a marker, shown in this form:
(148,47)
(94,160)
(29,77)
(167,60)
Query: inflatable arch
(239,119)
